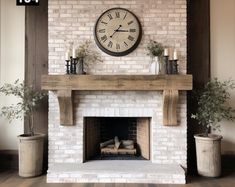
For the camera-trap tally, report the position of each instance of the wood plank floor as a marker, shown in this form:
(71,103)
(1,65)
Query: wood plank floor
(11,179)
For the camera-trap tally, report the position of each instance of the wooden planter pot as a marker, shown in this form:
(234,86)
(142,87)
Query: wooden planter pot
(30,155)
(208,151)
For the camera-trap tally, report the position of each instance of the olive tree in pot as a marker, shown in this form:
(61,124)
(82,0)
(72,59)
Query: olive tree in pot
(30,143)
(213,107)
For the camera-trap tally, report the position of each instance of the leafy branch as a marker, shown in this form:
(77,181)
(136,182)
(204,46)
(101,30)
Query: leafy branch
(89,55)
(29,100)
(213,104)
(155,49)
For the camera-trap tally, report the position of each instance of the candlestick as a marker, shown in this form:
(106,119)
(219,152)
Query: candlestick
(67,55)
(170,54)
(175,55)
(165,61)
(73,69)
(166,52)
(169,67)
(175,67)
(74,53)
(68,65)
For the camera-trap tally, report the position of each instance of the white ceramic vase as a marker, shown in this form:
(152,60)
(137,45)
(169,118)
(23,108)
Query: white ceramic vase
(154,66)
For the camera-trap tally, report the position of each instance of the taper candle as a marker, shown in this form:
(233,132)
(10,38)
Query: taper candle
(74,52)
(175,55)
(67,55)
(166,52)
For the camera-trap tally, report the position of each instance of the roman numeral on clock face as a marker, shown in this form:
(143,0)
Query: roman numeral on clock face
(117,14)
(102,31)
(110,45)
(110,16)
(126,44)
(130,38)
(125,16)
(132,30)
(104,38)
(130,22)
(104,22)
(117,46)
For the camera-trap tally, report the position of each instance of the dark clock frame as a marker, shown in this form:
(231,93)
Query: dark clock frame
(124,53)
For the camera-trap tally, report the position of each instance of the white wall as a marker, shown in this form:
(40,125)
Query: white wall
(12,36)
(223,57)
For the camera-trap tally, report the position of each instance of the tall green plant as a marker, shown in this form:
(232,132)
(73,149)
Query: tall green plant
(29,100)
(213,104)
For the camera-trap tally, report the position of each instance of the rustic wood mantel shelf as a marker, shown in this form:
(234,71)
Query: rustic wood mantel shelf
(169,84)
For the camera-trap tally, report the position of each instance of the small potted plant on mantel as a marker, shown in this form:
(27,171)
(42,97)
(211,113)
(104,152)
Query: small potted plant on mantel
(31,143)
(213,107)
(155,51)
(87,56)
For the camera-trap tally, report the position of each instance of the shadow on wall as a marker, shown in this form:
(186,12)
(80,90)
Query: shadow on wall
(226,147)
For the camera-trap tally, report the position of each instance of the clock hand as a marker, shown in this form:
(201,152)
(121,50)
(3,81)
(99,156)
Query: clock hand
(122,30)
(115,31)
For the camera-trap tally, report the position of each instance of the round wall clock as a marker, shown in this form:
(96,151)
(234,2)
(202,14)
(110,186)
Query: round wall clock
(117,32)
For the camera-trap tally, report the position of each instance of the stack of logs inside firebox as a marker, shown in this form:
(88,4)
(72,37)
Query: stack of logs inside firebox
(117,147)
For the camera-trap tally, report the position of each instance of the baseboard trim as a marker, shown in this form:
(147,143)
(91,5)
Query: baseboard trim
(228,162)
(9,159)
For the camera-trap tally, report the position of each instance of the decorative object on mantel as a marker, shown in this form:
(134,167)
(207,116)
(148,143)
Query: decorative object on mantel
(213,107)
(82,58)
(155,51)
(170,84)
(30,144)
(171,61)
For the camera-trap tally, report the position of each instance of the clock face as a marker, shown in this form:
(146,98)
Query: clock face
(117,32)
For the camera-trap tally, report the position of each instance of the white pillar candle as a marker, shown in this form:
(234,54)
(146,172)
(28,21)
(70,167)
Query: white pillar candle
(175,55)
(74,53)
(67,55)
(166,52)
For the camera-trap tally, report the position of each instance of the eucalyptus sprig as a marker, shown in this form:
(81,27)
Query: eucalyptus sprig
(29,100)
(87,52)
(155,49)
(213,104)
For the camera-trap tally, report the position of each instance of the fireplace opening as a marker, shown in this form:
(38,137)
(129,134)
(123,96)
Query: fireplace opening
(116,138)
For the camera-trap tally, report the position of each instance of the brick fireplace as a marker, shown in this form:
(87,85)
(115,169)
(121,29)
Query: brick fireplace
(71,148)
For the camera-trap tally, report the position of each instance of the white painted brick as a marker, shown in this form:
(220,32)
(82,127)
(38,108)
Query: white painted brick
(73,20)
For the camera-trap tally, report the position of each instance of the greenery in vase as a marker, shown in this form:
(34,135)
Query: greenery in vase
(213,106)
(29,100)
(155,49)
(89,55)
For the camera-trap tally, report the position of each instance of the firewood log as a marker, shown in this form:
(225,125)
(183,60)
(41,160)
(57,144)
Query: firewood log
(104,144)
(117,142)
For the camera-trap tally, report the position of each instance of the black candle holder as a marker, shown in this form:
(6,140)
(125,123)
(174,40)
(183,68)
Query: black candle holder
(166,61)
(175,67)
(73,68)
(170,67)
(68,65)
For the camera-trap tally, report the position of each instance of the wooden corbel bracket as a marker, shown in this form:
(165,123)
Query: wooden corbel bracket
(170,102)
(65,98)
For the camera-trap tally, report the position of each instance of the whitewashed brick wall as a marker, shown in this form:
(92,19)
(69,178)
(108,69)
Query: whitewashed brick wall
(73,20)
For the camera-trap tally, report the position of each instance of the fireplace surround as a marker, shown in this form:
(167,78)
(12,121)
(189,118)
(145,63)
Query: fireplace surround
(69,106)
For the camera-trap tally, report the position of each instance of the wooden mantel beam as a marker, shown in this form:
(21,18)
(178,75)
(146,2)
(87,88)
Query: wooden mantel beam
(117,82)
(169,84)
